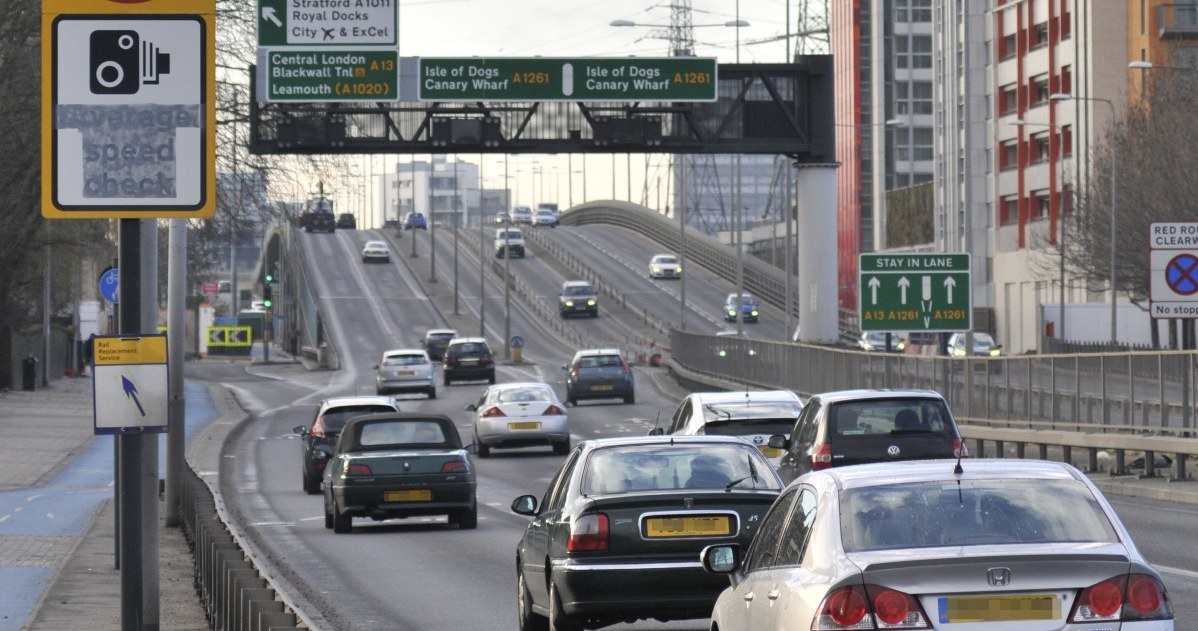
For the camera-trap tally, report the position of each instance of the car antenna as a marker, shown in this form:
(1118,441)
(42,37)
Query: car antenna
(957,471)
(657,421)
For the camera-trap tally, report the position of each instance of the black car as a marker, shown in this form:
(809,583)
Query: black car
(436,340)
(347,221)
(847,427)
(318,221)
(599,373)
(399,465)
(320,434)
(578,297)
(617,535)
(467,358)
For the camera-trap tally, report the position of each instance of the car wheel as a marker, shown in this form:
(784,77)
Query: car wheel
(446,380)
(432,393)
(311,487)
(466,519)
(529,621)
(328,518)
(342,522)
(483,450)
(558,620)
(630,399)
(491,379)
(572,400)
(561,447)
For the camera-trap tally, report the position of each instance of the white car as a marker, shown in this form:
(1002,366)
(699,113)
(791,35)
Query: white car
(520,214)
(986,544)
(520,414)
(545,218)
(753,415)
(405,370)
(376,251)
(665,266)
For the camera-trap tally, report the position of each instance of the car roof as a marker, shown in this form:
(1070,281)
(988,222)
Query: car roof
(908,471)
(357,400)
(468,340)
(370,243)
(668,439)
(745,396)
(588,352)
(441,332)
(576,283)
(517,385)
(404,351)
(837,396)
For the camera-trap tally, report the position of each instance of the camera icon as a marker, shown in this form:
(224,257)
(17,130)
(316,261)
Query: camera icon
(120,62)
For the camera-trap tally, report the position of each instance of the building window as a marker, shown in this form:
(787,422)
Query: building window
(923,143)
(1067,141)
(1038,204)
(913,98)
(1007,99)
(1038,88)
(1008,211)
(1039,36)
(1066,79)
(913,52)
(1006,48)
(1039,147)
(1008,155)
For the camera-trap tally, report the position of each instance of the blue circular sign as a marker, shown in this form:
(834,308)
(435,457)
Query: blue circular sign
(517,341)
(1182,274)
(109,284)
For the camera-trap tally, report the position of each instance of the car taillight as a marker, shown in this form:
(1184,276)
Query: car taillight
(493,412)
(318,428)
(450,360)
(821,456)
(357,469)
(1123,598)
(554,411)
(895,609)
(842,609)
(588,533)
(486,358)
(454,466)
(960,449)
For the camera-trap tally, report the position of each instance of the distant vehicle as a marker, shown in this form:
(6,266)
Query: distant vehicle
(665,266)
(939,544)
(317,216)
(509,241)
(983,346)
(599,373)
(321,432)
(225,286)
(393,465)
(745,303)
(753,415)
(520,415)
(376,251)
(390,223)
(544,218)
(548,206)
(578,297)
(435,341)
(847,427)
(405,370)
(347,221)
(415,221)
(467,358)
(875,342)
(520,215)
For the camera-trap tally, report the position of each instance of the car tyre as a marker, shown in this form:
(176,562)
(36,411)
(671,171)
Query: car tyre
(572,400)
(432,393)
(561,447)
(328,518)
(342,522)
(446,380)
(558,619)
(529,621)
(466,519)
(630,399)
(491,379)
(483,450)
(311,487)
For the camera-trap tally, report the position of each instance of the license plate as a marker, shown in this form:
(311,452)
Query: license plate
(770,452)
(406,373)
(524,425)
(409,495)
(469,362)
(603,388)
(697,526)
(1006,608)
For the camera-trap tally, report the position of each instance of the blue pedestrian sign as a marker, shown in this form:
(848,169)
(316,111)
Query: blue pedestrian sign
(517,341)
(110,284)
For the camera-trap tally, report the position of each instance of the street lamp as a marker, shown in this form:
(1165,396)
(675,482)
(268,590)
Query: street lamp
(1111,134)
(1018,122)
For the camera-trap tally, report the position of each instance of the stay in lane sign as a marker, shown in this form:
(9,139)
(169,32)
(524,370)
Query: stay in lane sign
(914,292)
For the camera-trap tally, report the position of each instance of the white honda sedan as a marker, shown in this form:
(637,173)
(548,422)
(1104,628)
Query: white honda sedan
(520,414)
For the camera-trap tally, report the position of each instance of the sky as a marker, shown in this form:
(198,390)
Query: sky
(574,28)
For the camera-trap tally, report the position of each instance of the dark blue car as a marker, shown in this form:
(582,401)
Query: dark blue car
(748,307)
(415,221)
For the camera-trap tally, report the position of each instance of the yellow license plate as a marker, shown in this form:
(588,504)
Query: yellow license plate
(999,608)
(524,425)
(770,452)
(410,495)
(604,387)
(697,526)
(469,362)
(407,373)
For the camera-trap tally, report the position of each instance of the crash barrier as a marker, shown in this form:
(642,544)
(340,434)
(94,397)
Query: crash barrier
(234,594)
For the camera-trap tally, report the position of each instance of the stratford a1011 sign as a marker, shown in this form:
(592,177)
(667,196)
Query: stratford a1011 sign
(914,292)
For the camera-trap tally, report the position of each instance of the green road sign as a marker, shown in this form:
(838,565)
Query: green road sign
(327,22)
(914,292)
(567,79)
(322,74)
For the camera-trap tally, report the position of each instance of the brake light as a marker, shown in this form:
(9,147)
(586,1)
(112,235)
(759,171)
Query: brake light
(554,410)
(357,469)
(588,533)
(821,456)
(493,412)
(318,428)
(450,360)
(895,609)
(454,466)
(960,449)
(1123,598)
(843,608)
(486,358)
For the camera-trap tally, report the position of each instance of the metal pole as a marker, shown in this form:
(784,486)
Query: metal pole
(412,169)
(482,250)
(457,229)
(432,227)
(129,445)
(176,314)
(507,283)
(682,202)
(1114,202)
(46,313)
(148,480)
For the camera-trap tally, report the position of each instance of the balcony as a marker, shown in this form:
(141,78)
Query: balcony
(1177,21)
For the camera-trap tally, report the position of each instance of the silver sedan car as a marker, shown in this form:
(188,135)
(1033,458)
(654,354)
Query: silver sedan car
(520,414)
(405,370)
(940,544)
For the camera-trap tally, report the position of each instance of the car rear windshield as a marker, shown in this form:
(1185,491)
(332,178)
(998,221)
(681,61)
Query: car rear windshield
(468,348)
(405,432)
(745,427)
(601,361)
(405,360)
(972,512)
(441,337)
(516,395)
(752,409)
(638,468)
(335,418)
(890,416)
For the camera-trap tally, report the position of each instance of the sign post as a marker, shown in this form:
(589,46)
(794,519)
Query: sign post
(1173,270)
(914,292)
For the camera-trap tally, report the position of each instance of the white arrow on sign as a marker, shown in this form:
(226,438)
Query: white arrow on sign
(874,283)
(268,13)
(903,284)
(949,283)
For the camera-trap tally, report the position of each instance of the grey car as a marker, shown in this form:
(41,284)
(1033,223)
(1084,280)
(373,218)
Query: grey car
(578,298)
(940,544)
(599,373)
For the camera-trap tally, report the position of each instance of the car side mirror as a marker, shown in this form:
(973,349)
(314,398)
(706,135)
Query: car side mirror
(565,367)
(721,559)
(321,454)
(657,431)
(470,407)
(525,505)
(778,441)
(376,366)
(300,429)
(471,448)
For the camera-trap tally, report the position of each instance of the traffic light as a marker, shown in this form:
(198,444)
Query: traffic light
(266,301)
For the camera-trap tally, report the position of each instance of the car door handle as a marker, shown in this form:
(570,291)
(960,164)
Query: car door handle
(749,596)
(774,594)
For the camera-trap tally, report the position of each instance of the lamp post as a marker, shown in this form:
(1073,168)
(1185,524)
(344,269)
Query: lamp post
(1114,190)
(1060,237)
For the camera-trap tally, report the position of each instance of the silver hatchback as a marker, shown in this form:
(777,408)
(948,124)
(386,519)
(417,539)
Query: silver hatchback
(405,370)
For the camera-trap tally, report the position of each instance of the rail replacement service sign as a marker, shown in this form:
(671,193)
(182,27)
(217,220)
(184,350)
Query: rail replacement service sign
(129,384)
(128,109)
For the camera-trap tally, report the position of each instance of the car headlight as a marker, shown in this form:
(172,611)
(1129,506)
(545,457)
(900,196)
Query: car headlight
(592,302)
(569,303)
(753,313)
(995,352)
(678,269)
(957,352)
(656,270)
(732,312)
(722,353)
(901,345)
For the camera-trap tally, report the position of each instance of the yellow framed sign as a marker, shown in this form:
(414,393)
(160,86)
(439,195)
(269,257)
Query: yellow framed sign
(130,383)
(128,109)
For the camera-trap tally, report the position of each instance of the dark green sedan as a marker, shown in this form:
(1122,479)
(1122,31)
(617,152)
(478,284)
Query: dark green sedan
(617,536)
(399,465)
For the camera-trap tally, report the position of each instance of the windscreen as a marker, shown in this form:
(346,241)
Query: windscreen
(636,468)
(334,419)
